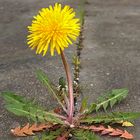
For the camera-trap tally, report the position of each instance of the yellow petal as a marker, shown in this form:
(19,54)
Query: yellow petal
(55,27)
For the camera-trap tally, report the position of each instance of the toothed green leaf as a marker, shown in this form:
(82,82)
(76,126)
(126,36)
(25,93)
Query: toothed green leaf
(10,97)
(45,80)
(42,77)
(84,135)
(17,110)
(21,107)
(83,105)
(111,118)
(49,135)
(112,102)
(111,98)
(105,105)
(91,108)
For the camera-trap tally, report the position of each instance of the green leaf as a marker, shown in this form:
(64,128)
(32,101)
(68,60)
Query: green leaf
(81,11)
(45,80)
(83,105)
(111,98)
(105,105)
(91,108)
(111,118)
(50,117)
(17,110)
(21,107)
(62,83)
(112,102)
(51,135)
(84,135)
(10,97)
(42,76)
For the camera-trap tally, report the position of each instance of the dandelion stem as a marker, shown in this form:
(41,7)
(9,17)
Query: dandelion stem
(70,88)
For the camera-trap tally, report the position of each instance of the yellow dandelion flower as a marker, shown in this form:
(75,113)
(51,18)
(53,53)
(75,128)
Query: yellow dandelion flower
(53,27)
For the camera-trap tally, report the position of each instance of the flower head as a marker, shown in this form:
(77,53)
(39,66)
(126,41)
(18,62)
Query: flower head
(54,28)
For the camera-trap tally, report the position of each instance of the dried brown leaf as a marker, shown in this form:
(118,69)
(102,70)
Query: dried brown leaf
(17,132)
(58,110)
(29,130)
(127,135)
(97,129)
(116,133)
(108,131)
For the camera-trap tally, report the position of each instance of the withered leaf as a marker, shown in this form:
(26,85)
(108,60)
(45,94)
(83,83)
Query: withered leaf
(127,135)
(116,133)
(17,132)
(127,124)
(107,131)
(97,129)
(29,130)
(58,110)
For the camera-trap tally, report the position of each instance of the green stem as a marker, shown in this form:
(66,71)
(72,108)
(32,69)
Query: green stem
(70,88)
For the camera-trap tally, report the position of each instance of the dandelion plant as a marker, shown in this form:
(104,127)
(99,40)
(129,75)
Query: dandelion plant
(54,29)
